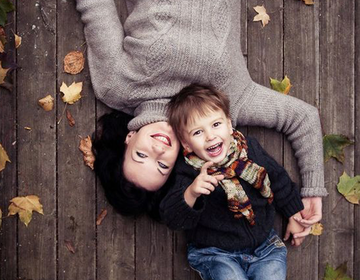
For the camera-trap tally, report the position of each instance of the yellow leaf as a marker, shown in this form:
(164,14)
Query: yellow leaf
(47,103)
(3,73)
(262,15)
(309,2)
(74,62)
(3,158)
(283,86)
(24,206)
(317,229)
(85,148)
(71,93)
(17,41)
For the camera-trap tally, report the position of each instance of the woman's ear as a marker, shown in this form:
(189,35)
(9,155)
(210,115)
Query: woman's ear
(129,136)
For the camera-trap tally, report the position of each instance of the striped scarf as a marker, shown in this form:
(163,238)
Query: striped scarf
(236,164)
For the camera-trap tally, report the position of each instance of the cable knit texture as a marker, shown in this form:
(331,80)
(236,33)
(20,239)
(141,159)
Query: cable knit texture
(165,45)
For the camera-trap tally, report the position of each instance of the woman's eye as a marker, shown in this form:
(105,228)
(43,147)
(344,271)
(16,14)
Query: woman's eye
(163,165)
(141,155)
(217,124)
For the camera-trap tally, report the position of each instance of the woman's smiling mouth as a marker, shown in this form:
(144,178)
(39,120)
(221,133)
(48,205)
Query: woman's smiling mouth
(162,138)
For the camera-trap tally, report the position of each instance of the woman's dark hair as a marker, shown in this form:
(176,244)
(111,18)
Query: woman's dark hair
(109,150)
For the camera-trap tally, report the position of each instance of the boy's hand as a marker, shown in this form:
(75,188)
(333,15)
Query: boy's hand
(293,228)
(203,184)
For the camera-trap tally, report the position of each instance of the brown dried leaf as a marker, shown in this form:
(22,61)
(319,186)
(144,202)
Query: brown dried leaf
(47,103)
(27,128)
(262,15)
(317,229)
(85,148)
(3,158)
(309,2)
(3,73)
(74,62)
(2,39)
(70,118)
(69,246)
(101,217)
(24,206)
(17,41)
(72,92)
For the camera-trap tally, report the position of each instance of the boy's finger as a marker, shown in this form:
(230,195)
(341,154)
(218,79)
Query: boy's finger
(212,179)
(205,167)
(219,177)
(302,234)
(287,235)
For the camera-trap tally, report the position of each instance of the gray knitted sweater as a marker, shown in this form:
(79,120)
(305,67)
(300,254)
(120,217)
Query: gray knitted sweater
(165,45)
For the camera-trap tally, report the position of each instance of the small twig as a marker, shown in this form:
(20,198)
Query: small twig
(311,240)
(62,114)
(332,211)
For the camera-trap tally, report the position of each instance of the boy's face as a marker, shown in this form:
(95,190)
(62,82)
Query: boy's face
(209,137)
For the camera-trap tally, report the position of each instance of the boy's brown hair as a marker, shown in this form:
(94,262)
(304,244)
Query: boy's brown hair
(192,101)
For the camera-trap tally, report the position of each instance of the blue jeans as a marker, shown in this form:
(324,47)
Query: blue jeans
(268,261)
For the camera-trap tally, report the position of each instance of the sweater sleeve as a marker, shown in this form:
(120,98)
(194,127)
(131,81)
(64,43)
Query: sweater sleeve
(286,196)
(104,36)
(175,212)
(301,124)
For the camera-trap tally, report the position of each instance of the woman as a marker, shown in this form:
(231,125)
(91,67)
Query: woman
(166,45)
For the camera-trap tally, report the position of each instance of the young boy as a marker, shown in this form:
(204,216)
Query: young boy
(229,228)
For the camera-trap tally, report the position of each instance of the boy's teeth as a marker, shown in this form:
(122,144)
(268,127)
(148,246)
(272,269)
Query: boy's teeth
(214,146)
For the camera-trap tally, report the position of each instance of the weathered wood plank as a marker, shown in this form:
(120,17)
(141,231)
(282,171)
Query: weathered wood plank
(76,182)
(116,234)
(356,273)
(301,63)
(265,60)
(8,188)
(37,147)
(153,250)
(337,114)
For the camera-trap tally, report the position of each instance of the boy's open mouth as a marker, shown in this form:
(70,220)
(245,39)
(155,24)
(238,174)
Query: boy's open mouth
(215,150)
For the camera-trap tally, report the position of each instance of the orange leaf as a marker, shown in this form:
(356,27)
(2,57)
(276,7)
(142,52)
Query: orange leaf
(85,147)
(70,118)
(101,217)
(74,62)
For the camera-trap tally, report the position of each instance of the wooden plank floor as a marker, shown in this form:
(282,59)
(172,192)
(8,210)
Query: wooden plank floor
(318,47)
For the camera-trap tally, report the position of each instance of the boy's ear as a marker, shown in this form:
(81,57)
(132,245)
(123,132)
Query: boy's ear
(129,136)
(230,125)
(186,146)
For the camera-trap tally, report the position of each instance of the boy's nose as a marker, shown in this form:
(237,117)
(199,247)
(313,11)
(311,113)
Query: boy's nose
(210,136)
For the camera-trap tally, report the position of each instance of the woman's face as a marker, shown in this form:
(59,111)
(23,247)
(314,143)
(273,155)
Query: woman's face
(150,155)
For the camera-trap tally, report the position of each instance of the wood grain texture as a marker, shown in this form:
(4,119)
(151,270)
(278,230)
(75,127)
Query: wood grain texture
(337,115)
(76,182)
(8,183)
(301,65)
(37,147)
(265,60)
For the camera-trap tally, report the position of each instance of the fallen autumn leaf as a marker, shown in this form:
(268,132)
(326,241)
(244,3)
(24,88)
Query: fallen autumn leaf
(262,15)
(316,229)
(72,92)
(349,188)
(101,217)
(70,118)
(3,158)
(283,86)
(334,145)
(85,148)
(74,62)
(47,103)
(24,206)
(69,246)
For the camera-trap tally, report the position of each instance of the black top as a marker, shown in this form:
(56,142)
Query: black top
(211,224)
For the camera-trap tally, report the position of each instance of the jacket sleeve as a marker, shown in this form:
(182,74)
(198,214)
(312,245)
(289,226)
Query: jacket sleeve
(287,199)
(175,212)
(104,36)
(300,122)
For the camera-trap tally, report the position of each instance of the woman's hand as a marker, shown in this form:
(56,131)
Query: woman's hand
(203,184)
(311,214)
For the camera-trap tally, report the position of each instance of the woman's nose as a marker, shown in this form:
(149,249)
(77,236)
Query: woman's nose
(158,149)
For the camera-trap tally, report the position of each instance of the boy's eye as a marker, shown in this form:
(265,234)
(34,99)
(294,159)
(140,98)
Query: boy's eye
(141,155)
(217,124)
(163,165)
(197,132)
